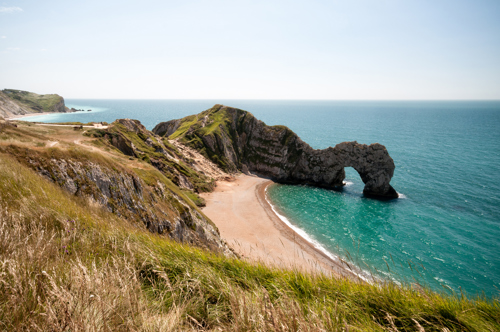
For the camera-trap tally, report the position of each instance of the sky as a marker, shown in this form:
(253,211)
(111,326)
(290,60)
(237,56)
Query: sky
(255,49)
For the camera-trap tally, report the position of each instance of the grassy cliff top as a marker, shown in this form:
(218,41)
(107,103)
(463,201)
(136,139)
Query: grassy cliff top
(218,118)
(206,122)
(34,101)
(218,130)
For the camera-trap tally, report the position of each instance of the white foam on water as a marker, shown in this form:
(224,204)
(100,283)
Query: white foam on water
(54,116)
(364,275)
(348,183)
(402,196)
(438,259)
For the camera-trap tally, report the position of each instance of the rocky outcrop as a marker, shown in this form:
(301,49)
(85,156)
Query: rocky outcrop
(18,102)
(159,205)
(60,107)
(189,171)
(167,128)
(235,140)
(9,107)
(200,163)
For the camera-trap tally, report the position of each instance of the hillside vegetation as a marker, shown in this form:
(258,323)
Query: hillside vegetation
(18,102)
(36,102)
(69,262)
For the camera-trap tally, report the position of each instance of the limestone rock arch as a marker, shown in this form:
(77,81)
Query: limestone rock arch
(237,141)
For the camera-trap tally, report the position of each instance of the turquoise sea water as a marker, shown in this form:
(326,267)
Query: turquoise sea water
(445,230)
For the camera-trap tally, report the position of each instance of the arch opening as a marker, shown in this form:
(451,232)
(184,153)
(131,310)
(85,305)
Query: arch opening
(352,179)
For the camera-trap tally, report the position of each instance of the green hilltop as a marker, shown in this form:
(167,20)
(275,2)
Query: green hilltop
(35,102)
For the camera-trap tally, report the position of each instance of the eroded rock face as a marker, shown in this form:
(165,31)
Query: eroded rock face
(17,102)
(167,128)
(184,168)
(236,140)
(10,108)
(157,206)
(372,162)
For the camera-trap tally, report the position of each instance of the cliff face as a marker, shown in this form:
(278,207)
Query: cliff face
(236,140)
(17,102)
(186,169)
(9,107)
(136,195)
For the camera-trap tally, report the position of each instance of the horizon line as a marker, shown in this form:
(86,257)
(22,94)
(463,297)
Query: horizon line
(273,99)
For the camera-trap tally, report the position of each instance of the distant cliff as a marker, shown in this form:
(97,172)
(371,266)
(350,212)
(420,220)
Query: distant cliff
(17,102)
(235,140)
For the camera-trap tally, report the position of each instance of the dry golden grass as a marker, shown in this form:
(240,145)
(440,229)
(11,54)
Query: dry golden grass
(66,265)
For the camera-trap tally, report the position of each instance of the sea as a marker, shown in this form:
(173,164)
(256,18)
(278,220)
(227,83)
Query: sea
(444,230)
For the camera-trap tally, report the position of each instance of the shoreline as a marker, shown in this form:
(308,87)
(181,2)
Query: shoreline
(250,225)
(18,117)
(320,253)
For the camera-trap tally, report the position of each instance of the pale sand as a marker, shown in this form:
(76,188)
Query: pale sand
(17,117)
(249,225)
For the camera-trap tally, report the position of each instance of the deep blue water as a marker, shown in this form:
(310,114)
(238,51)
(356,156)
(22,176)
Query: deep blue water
(444,233)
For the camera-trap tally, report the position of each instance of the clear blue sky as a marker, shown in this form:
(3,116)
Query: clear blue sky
(238,49)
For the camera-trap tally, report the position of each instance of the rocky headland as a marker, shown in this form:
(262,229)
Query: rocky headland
(18,102)
(236,141)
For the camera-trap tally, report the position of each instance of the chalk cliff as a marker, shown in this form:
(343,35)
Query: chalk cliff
(235,140)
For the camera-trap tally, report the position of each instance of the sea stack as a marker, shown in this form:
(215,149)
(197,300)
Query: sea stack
(237,141)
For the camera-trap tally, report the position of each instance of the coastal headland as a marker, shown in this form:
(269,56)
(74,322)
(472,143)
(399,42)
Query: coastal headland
(19,103)
(117,228)
(236,141)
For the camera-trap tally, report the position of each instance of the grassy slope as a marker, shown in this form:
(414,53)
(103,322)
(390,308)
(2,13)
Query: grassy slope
(39,103)
(191,131)
(216,119)
(150,154)
(68,265)
(219,120)
(29,142)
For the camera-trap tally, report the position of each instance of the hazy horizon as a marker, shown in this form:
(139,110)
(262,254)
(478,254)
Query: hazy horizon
(291,99)
(254,50)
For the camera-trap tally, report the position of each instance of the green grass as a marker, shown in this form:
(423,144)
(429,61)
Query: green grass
(68,265)
(151,153)
(219,127)
(217,117)
(194,197)
(39,103)
(187,122)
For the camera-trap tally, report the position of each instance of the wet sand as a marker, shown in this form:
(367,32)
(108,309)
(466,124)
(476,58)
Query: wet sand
(249,225)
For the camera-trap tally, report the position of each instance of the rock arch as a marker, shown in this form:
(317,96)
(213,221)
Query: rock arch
(373,164)
(235,140)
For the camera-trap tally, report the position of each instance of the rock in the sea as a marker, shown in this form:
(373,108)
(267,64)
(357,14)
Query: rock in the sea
(237,141)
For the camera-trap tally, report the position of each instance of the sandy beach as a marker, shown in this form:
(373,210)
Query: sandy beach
(250,226)
(18,117)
